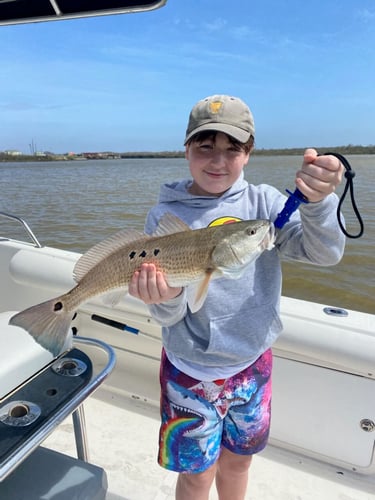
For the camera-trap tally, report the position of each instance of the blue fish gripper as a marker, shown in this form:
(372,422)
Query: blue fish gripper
(291,205)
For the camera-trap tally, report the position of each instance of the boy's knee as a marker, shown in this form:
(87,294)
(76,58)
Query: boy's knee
(233,463)
(199,480)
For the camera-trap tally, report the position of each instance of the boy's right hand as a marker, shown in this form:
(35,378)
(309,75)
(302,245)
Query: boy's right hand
(150,285)
(319,175)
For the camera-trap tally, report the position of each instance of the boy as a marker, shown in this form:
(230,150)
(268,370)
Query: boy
(216,363)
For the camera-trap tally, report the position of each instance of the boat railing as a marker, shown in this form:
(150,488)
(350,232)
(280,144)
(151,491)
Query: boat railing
(27,228)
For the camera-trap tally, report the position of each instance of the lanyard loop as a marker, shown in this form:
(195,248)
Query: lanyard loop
(349,175)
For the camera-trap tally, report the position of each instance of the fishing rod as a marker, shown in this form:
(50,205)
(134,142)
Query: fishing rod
(296,198)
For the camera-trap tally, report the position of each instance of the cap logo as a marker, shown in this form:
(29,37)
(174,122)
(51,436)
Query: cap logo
(215,106)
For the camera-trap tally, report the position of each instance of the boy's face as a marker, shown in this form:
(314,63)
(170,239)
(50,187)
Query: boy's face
(215,164)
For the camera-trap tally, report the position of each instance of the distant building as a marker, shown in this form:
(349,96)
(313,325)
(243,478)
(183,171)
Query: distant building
(13,152)
(106,155)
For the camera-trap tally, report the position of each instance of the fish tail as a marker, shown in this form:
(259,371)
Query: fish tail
(48,323)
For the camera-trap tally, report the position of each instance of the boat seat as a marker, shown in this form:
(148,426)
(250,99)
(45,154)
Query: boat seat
(50,475)
(21,357)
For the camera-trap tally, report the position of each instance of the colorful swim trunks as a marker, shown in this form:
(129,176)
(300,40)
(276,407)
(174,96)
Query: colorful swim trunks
(200,417)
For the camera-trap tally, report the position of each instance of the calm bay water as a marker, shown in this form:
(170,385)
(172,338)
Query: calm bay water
(73,205)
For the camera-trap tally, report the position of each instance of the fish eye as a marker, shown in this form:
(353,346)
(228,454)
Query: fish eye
(251,231)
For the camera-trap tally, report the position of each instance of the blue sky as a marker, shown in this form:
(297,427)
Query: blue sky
(128,82)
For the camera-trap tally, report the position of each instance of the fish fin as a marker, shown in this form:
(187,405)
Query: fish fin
(48,327)
(105,248)
(197,292)
(169,224)
(112,298)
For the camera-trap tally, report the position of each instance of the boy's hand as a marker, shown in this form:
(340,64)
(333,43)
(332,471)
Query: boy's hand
(149,285)
(319,175)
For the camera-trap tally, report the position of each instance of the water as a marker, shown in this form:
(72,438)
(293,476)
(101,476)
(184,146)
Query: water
(73,205)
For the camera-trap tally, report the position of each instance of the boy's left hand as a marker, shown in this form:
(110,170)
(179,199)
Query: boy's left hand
(319,175)
(150,285)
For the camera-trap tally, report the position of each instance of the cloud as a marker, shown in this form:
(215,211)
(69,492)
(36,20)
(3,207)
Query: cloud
(366,15)
(215,25)
(244,32)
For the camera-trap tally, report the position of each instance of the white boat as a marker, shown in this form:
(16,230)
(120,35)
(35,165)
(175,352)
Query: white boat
(323,423)
(85,425)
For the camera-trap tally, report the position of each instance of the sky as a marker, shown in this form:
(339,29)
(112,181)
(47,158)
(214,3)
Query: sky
(128,82)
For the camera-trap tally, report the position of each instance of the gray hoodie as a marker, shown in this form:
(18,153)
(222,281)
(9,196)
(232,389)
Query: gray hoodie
(240,318)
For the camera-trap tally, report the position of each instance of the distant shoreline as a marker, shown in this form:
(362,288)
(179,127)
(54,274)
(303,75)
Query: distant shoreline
(344,150)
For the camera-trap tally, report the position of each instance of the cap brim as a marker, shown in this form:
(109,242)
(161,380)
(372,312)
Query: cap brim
(238,133)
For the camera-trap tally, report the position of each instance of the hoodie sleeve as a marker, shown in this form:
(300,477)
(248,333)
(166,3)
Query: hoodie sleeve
(313,234)
(171,312)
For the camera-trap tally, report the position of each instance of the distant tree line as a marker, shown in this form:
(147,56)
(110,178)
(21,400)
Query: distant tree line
(344,150)
(153,154)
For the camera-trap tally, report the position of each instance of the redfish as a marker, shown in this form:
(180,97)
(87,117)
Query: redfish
(188,258)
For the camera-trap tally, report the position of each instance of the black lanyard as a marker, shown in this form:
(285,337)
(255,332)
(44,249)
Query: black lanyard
(349,175)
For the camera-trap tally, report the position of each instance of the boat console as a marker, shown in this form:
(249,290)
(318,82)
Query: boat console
(37,393)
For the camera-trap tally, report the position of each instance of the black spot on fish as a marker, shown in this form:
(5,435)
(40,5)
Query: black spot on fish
(58,306)
(156,251)
(132,255)
(143,254)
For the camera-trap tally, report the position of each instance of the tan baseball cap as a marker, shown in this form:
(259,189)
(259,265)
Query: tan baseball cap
(221,113)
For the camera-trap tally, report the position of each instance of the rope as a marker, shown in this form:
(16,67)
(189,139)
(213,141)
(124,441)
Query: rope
(349,175)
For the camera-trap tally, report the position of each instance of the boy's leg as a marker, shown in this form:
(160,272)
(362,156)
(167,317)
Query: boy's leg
(232,475)
(230,472)
(195,486)
(246,426)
